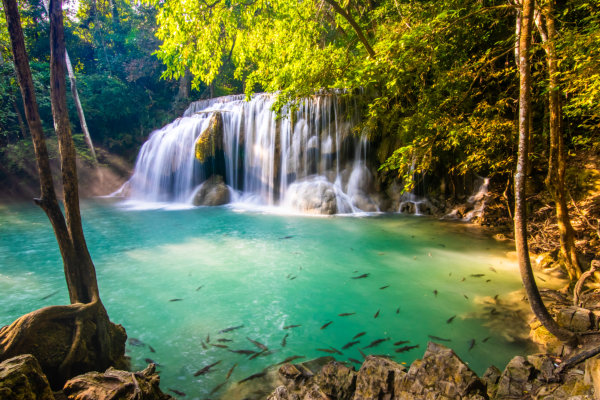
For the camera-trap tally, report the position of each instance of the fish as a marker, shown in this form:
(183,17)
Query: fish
(362,353)
(441,245)
(435,292)
(246,352)
(488,280)
(477,275)
(291,326)
(496,297)
(208,338)
(471,344)
(384,287)
(449,320)
(223,340)
(439,338)
(284,341)
(375,343)
(331,351)
(151,349)
(493,269)
(293,277)
(466,297)
(136,342)
(254,376)
(216,388)
(286,237)
(360,276)
(406,348)
(326,324)
(463,279)
(177,392)
(230,371)
(50,295)
(354,360)
(223,346)
(290,359)
(258,344)
(199,287)
(261,354)
(376,314)
(350,344)
(151,361)
(176,300)
(398,310)
(486,339)
(233,328)
(206,369)
(401,342)
(359,335)
(204,346)
(345,314)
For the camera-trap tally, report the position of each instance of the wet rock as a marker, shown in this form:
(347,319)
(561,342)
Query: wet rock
(281,393)
(378,378)
(211,139)
(213,192)
(313,392)
(21,378)
(116,385)
(364,202)
(441,374)
(575,318)
(491,377)
(315,196)
(515,380)
(337,380)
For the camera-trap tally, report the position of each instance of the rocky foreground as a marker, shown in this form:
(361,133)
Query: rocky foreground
(439,375)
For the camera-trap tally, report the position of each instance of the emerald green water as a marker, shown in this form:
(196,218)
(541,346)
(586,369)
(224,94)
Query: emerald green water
(244,262)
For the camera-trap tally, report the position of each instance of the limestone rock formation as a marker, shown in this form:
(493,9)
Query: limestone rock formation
(116,385)
(211,139)
(378,378)
(21,378)
(213,192)
(316,196)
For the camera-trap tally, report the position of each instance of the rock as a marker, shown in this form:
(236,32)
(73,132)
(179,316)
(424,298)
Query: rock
(364,202)
(378,378)
(575,318)
(116,385)
(441,374)
(211,139)
(21,378)
(281,393)
(213,192)
(491,377)
(337,381)
(313,196)
(313,392)
(515,380)
(290,372)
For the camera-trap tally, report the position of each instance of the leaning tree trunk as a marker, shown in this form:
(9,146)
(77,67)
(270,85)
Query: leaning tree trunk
(76,338)
(555,180)
(533,294)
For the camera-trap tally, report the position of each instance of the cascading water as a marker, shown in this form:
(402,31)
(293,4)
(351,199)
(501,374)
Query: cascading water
(308,160)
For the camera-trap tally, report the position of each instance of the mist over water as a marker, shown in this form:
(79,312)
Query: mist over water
(231,267)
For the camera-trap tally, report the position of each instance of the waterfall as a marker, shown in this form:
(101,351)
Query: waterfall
(308,159)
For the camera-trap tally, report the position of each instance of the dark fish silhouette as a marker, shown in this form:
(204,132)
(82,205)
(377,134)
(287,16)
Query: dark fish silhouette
(176,300)
(216,388)
(477,275)
(222,340)
(233,328)
(384,287)
(326,324)
(466,297)
(199,287)
(286,237)
(496,297)
(222,346)
(230,371)
(50,295)
(435,292)
(376,314)
(291,326)
(493,269)
(330,350)
(258,375)
(136,342)
(151,361)
(354,360)
(401,342)
(449,320)
(284,341)
(398,310)
(204,346)
(375,343)
(463,279)
(360,276)
(406,348)
(206,369)
(151,349)
(350,344)
(177,392)
(246,352)
(290,359)
(345,314)
(359,335)
(439,338)
(488,280)
(258,344)
(471,344)
(261,354)
(293,277)
(362,354)
(208,338)
(486,339)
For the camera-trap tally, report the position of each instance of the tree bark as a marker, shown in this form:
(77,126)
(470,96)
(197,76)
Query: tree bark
(533,294)
(555,180)
(348,17)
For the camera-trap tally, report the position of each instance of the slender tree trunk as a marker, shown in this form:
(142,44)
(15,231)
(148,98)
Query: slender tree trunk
(535,300)
(348,17)
(555,180)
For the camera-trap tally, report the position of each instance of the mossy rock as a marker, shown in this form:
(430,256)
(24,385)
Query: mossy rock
(211,139)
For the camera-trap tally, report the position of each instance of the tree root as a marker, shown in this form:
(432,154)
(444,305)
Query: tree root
(579,285)
(66,340)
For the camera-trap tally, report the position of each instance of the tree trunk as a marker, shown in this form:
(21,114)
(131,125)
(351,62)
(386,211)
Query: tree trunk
(348,17)
(535,300)
(66,340)
(555,180)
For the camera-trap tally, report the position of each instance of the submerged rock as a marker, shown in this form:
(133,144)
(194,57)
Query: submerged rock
(116,385)
(21,378)
(213,192)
